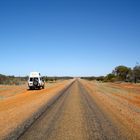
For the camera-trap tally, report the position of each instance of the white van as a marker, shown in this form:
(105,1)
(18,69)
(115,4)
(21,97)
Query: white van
(36,81)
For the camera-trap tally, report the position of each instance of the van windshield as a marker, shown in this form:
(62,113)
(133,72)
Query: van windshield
(33,79)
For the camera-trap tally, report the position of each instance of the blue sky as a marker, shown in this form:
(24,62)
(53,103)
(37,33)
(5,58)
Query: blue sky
(75,37)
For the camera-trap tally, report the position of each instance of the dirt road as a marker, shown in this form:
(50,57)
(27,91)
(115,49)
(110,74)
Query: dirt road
(74,116)
(20,110)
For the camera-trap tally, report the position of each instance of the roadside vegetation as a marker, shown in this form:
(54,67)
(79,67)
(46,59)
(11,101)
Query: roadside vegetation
(13,80)
(120,74)
(54,79)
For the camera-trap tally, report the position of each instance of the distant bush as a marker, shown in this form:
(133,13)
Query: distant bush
(110,78)
(136,73)
(12,80)
(89,78)
(100,78)
(53,79)
(120,73)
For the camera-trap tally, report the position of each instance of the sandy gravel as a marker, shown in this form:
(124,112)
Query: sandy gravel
(8,91)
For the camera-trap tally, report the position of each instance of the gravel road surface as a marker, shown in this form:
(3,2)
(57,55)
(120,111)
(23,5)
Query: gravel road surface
(74,116)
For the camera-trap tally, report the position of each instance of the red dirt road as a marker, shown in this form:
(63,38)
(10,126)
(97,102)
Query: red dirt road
(16,109)
(84,110)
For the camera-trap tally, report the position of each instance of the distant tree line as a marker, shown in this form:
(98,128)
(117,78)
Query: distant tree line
(13,80)
(55,78)
(120,73)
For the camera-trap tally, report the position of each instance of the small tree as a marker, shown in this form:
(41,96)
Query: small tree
(121,72)
(129,77)
(136,73)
